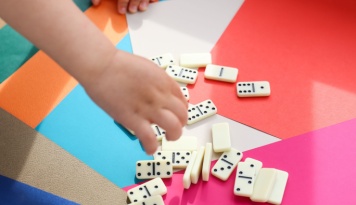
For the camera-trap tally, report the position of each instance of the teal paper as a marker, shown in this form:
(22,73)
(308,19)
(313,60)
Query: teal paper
(15,50)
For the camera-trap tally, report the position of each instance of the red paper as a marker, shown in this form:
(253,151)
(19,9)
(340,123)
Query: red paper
(305,49)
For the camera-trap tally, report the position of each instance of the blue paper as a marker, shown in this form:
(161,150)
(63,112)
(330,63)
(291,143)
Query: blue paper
(17,193)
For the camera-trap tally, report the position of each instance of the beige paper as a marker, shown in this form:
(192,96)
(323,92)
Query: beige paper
(29,157)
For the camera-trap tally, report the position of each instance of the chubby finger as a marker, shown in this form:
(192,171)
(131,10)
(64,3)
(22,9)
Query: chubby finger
(143,5)
(133,6)
(122,6)
(178,108)
(179,104)
(145,134)
(169,122)
(176,91)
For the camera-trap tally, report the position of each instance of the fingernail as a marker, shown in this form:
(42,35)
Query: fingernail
(122,11)
(133,9)
(143,6)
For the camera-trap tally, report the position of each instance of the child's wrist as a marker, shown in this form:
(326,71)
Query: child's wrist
(91,77)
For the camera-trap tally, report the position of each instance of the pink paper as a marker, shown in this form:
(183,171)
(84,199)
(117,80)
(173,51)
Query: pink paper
(320,165)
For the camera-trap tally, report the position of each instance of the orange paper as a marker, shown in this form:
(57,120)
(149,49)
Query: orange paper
(40,84)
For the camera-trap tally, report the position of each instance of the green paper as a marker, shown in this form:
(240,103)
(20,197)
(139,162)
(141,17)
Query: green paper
(15,50)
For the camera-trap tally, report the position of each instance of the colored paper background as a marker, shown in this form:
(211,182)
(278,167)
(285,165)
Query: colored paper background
(304,48)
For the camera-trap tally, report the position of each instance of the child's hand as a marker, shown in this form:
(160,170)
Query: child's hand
(137,93)
(131,6)
(131,89)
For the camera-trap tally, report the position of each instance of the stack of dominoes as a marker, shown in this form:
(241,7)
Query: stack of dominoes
(252,180)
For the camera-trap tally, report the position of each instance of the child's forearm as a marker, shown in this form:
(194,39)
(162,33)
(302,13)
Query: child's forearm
(61,30)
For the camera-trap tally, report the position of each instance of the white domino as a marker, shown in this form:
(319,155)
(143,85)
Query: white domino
(127,129)
(131,131)
(148,189)
(195,60)
(184,143)
(163,60)
(197,167)
(278,188)
(264,184)
(153,200)
(159,132)
(186,177)
(226,164)
(244,181)
(179,159)
(255,163)
(148,169)
(253,89)
(221,137)
(221,73)
(182,74)
(201,111)
(185,92)
(207,161)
